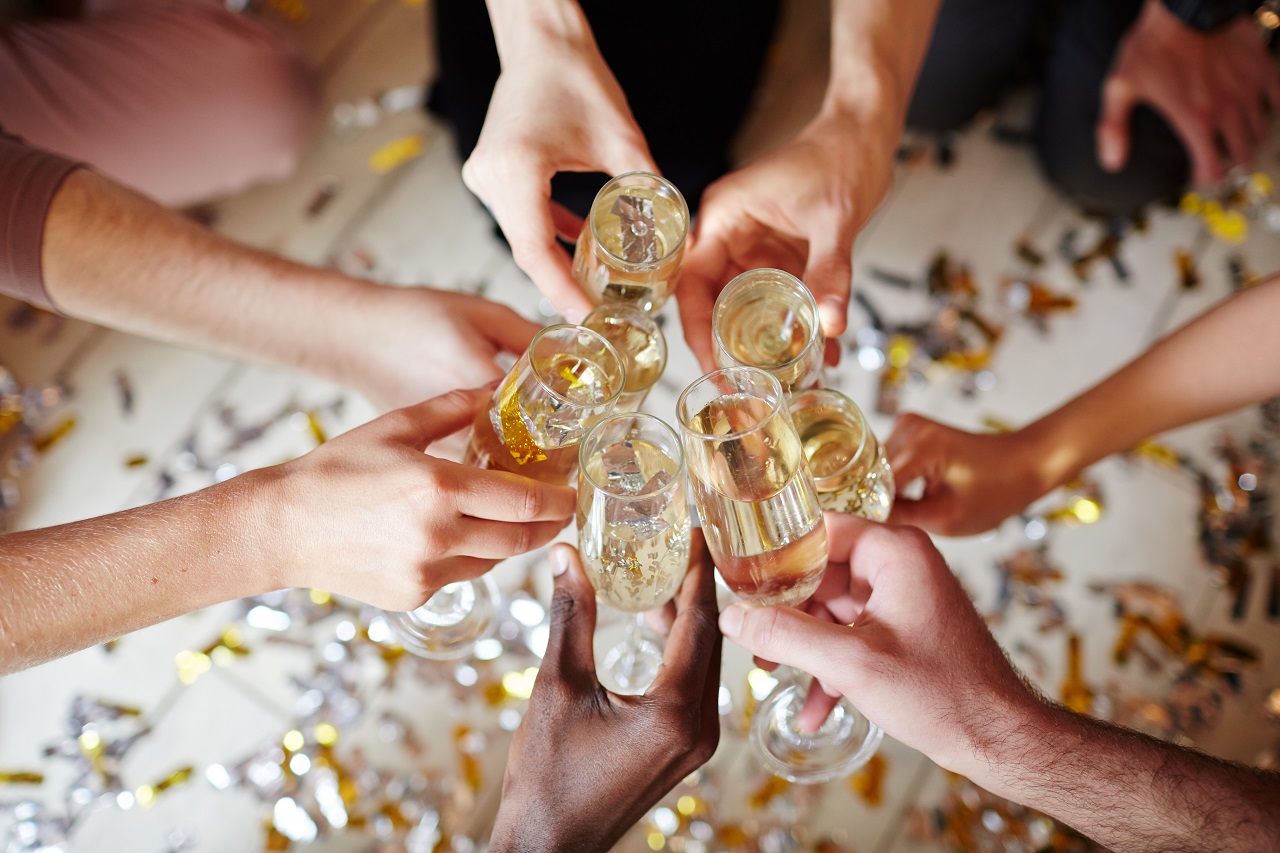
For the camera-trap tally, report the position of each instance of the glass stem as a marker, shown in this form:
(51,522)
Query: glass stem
(635,637)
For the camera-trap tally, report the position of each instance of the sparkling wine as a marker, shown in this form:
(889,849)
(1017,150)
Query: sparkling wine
(768,319)
(634,537)
(758,505)
(848,465)
(640,343)
(632,244)
(536,434)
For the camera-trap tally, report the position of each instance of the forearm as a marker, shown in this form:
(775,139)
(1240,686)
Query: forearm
(113,257)
(877,48)
(1226,359)
(1126,790)
(71,586)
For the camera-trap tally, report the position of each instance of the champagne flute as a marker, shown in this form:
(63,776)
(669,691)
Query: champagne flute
(848,464)
(568,379)
(763,523)
(632,244)
(768,319)
(639,340)
(633,532)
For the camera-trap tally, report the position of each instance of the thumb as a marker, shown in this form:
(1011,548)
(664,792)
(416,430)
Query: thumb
(784,635)
(570,652)
(1118,99)
(925,513)
(423,423)
(829,275)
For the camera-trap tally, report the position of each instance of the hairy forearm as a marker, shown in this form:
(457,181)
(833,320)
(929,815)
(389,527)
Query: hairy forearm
(71,586)
(113,257)
(1126,790)
(1224,360)
(877,48)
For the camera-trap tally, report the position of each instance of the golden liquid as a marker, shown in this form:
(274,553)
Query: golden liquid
(600,273)
(757,502)
(851,476)
(513,433)
(769,333)
(634,567)
(641,352)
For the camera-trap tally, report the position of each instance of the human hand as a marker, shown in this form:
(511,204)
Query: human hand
(972,481)
(919,662)
(1218,90)
(796,209)
(556,108)
(412,343)
(586,764)
(371,516)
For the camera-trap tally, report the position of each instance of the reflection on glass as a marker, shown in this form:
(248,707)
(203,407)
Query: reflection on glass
(569,379)
(633,532)
(641,344)
(768,319)
(848,464)
(632,243)
(755,496)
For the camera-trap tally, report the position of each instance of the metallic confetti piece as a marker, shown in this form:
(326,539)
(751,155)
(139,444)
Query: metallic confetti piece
(1075,691)
(1028,253)
(61,430)
(326,193)
(639,230)
(1188,275)
(21,777)
(868,783)
(124,391)
(137,460)
(396,153)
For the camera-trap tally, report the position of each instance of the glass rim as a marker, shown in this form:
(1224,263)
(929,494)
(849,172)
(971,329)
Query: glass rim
(546,386)
(658,335)
(778,405)
(677,478)
(847,405)
(663,185)
(815,330)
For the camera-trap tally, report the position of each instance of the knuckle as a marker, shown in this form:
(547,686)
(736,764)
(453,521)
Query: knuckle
(532,502)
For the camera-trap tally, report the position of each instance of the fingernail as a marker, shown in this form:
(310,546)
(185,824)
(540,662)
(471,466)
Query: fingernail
(731,620)
(1109,154)
(833,312)
(559,561)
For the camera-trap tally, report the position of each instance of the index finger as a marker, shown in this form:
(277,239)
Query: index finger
(524,212)
(502,496)
(694,634)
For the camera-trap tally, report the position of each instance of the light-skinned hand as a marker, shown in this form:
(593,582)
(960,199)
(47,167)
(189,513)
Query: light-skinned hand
(557,109)
(413,343)
(919,662)
(972,481)
(796,209)
(371,515)
(1218,90)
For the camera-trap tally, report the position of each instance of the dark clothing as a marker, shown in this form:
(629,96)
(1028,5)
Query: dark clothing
(690,86)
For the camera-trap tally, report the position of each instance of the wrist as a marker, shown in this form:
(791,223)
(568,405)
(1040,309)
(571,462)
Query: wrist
(1003,740)
(1050,452)
(257,524)
(530,29)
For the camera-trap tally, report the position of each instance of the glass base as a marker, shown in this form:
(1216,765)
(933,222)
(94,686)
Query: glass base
(452,621)
(845,741)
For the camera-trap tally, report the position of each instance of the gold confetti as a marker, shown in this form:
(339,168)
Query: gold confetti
(21,777)
(60,431)
(317,431)
(868,783)
(396,153)
(1076,693)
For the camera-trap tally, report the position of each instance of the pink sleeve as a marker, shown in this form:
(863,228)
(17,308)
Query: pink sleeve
(29,178)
